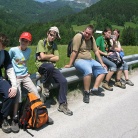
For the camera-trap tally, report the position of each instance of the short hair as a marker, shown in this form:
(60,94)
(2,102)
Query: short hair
(91,27)
(4,39)
(106,30)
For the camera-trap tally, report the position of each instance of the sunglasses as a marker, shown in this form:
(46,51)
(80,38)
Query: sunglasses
(24,40)
(52,35)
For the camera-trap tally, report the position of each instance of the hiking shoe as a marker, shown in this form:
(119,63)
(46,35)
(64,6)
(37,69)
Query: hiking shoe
(86,97)
(63,108)
(50,121)
(107,87)
(6,126)
(129,82)
(96,92)
(120,84)
(15,125)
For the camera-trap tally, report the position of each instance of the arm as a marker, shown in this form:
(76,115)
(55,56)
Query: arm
(99,58)
(11,75)
(49,57)
(72,58)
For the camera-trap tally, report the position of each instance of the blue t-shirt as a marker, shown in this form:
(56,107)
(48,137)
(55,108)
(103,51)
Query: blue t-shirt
(19,59)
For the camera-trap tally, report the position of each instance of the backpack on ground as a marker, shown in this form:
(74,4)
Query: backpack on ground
(70,45)
(33,114)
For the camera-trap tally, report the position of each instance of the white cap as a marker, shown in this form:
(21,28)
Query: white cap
(54,28)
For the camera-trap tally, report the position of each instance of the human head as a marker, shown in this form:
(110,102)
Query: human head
(53,33)
(25,39)
(116,32)
(3,41)
(107,33)
(88,32)
(26,35)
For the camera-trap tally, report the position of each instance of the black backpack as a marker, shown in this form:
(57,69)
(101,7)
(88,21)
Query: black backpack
(70,46)
(116,58)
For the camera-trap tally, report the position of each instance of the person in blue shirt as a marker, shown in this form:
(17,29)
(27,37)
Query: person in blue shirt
(19,56)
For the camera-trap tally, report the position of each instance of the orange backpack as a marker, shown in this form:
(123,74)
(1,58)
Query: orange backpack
(34,113)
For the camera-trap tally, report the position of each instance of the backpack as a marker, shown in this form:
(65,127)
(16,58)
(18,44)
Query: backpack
(2,57)
(70,45)
(116,58)
(33,114)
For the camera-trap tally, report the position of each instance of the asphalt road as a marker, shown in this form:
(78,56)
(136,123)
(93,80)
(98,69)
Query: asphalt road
(115,115)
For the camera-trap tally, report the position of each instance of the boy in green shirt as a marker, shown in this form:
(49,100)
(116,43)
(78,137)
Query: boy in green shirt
(46,57)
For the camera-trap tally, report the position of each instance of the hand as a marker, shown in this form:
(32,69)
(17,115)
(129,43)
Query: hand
(12,92)
(104,66)
(109,53)
(67,66)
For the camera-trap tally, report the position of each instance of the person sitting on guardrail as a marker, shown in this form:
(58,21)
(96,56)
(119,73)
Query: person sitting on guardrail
(8,91)
(117,47)
(19,56)
(104,45)
(46,57)
(82,60)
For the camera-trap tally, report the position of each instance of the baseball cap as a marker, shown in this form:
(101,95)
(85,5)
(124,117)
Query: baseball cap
(54,28)
(26,35)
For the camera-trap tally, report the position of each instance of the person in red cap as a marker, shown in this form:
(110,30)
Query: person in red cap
(19,56)
(46,57)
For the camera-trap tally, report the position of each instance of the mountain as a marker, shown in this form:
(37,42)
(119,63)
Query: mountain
(80,4)
(115,11)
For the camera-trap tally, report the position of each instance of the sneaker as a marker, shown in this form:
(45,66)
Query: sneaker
(107,87)
(86,97)
(15,125)
(129,82)
(120,84)
(63,108)
(96,92)
(50,121)
(6,126)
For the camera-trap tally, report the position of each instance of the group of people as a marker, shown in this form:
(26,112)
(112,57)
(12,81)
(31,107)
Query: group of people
(102,68)
(14,63)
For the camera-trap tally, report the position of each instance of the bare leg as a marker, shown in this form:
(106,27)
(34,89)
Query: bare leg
(98,81)
(126,74)
(87,82)
(109,75)
(119,73)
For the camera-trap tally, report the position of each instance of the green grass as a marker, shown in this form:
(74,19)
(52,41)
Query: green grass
(129,50)
(133,25)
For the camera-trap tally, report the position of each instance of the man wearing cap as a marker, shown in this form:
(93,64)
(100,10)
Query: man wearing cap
(19,56)
(46,57)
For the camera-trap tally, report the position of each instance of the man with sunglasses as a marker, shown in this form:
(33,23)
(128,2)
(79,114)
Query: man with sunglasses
(82,59)
(19,56)
(46,57)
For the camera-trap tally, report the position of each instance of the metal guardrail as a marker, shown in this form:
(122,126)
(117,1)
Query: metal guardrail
(72,75)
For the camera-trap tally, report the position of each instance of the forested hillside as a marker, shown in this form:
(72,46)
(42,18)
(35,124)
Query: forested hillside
(104,13)
(114,11)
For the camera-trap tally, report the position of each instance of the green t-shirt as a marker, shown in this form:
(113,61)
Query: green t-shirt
(47,48)
(104,45)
